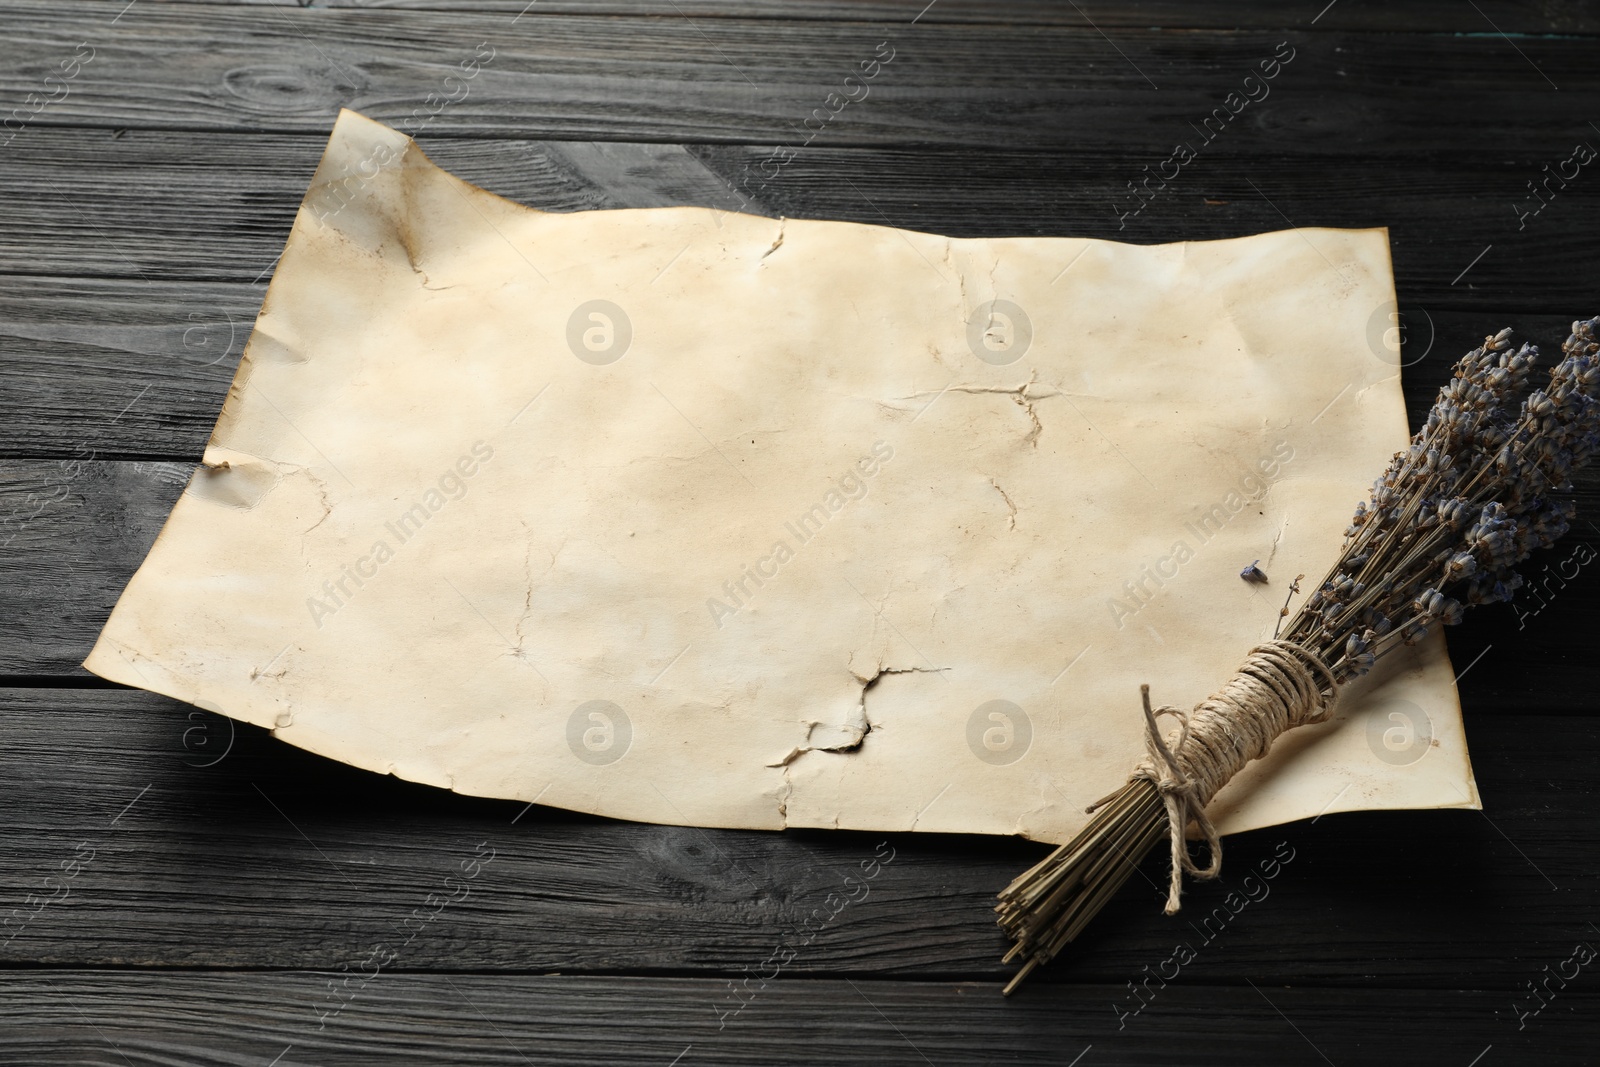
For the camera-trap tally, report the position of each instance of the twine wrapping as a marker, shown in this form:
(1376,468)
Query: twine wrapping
(1281,685)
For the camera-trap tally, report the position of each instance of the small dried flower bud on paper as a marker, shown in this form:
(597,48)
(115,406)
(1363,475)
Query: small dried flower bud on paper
(692,517)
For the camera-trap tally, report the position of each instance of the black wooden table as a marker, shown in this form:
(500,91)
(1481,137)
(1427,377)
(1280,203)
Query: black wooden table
(183,891)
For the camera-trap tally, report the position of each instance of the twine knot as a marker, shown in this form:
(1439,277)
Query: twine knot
(1281,685)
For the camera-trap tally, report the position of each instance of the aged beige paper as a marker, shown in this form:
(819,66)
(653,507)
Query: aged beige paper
(693,517)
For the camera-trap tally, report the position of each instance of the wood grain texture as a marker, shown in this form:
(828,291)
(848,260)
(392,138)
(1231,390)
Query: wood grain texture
(217,845)
(233,876)
(1420,16)
(675,79)
(117,367)
(163,205)
(99,1017)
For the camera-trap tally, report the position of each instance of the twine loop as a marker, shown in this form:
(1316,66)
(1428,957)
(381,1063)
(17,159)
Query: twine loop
(1280,686)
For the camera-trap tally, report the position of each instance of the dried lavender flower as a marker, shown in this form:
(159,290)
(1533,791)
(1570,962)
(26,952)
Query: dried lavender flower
(1485,482)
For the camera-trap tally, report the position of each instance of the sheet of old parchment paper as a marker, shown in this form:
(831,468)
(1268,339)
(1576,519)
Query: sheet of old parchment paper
(692,517)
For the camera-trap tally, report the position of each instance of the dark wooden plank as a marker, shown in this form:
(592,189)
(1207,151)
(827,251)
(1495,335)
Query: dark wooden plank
(163,204)
(1025,120)
(1432,16)
(671,79)
(219,206)
(175,1020)
(156,359)
(72,532)
(219,846)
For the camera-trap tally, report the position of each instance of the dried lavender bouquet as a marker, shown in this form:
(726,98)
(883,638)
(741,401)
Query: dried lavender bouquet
(1485,482)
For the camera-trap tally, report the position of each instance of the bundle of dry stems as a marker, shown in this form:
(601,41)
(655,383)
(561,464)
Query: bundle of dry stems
(1485,482)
